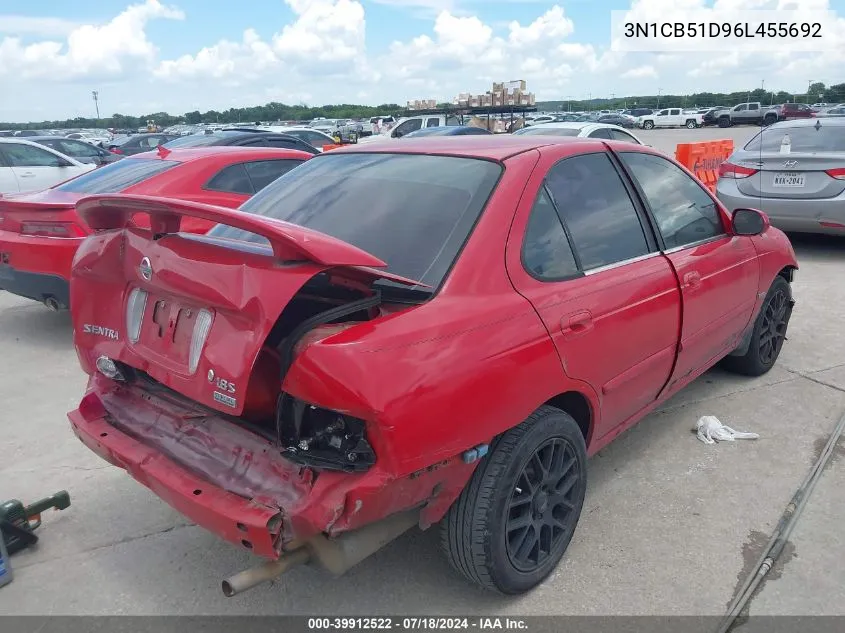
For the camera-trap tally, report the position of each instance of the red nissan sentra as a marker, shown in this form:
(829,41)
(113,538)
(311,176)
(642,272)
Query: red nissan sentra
(438,331)
(40,232)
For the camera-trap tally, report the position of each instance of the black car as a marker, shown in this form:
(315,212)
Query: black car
(80,150)
(249,138)
(709,117)
(617,119)
(139,143)
(448,130)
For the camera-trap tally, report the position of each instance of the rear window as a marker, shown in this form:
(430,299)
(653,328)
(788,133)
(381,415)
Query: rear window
(201,140)
(827,138)
(412,211)
(118,175)
(549,131)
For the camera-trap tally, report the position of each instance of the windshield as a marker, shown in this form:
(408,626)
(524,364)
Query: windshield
(200,140)
(827,138)
(117,176)
(412,211)
(548,131)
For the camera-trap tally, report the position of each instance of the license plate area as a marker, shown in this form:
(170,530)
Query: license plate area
(788,180)
(167,330)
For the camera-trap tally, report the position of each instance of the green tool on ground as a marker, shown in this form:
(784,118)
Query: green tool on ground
(19,522)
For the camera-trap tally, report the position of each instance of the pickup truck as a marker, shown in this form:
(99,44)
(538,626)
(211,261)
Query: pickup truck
(670,117)
(753,112)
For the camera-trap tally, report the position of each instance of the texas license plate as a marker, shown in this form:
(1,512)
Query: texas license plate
(789,180)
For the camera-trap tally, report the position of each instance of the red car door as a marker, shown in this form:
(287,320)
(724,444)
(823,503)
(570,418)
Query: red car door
(582,254)
(718,272)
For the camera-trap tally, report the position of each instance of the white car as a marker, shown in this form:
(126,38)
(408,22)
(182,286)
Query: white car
(100,140)
(27,166)
(671,117)
(587,129)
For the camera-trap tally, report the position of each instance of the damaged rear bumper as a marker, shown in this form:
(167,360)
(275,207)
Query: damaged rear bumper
(225,478)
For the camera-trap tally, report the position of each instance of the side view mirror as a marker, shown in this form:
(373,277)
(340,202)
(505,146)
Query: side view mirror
(749,222)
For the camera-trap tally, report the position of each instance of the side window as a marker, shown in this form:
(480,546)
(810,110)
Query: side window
(597,210)
(741,108)
(753,106)
(316,139)
(675,111)
(284,143)
(683,210)
(76,148)
(407,127)
(433,122)
(663,113)
(232,179)
(29,156)
(619,135)
(263,172)
(602,132)
(546,251)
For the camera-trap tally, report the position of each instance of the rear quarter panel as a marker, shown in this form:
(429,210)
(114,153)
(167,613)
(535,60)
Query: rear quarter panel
(447,375)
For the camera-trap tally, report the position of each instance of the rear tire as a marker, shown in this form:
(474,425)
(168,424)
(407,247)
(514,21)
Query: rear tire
(768,335)
(691,125)
(514,520)
(769,119)
(724,122)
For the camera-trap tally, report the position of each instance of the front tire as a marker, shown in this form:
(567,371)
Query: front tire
(770,119)
(514,520)
(691,125)
(724,122)
(648,125)
(769,332)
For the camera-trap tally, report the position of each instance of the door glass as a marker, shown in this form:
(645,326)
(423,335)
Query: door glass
(29,156)
(753,106)
(433,123)
(77,148)
(263,172)
(683,210)
(602,132)
(597,209)
(619,135)
(232,179)
(546,251)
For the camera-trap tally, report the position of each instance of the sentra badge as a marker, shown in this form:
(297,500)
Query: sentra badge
(99,330)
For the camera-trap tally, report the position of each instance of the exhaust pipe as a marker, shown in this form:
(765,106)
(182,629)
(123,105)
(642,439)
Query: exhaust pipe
(52,304)
(249,578)
(336,555)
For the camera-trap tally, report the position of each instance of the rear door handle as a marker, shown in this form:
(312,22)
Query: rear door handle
(577,323)
(27,174)
(692,280)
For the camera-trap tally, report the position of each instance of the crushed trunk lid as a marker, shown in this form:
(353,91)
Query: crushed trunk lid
(189,312)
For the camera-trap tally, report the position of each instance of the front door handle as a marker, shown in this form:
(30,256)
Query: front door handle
(577,323)
(27,174)
(692,280)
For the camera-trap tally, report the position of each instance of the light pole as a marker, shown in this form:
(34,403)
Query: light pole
(658,97)
(96,95)
(809,83)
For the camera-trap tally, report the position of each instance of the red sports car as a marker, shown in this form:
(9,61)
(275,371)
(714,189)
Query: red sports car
(438,331)
(40,232)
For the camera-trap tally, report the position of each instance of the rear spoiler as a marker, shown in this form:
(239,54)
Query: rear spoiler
(289,241)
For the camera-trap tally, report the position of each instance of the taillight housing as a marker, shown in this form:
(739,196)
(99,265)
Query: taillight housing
(116,150)
(51,229)
(838,173)
(202,327)
(135,307)
(737,172)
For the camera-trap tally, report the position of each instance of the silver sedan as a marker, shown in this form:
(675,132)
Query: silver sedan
(794,171)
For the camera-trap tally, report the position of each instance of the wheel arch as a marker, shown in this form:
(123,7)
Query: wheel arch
(579,407)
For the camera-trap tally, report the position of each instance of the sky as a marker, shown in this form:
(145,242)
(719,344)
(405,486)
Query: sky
(146,56)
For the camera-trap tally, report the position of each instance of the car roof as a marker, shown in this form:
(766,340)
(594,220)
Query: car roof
(490,146)
(234,152)
(572,125)
(50,137)
(810,122)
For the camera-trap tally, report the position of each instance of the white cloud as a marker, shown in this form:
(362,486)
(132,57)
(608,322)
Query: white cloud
(89,50)
(640,72)
(323,55)
(44,27)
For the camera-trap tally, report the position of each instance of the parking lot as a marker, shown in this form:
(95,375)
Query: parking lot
(670,525)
